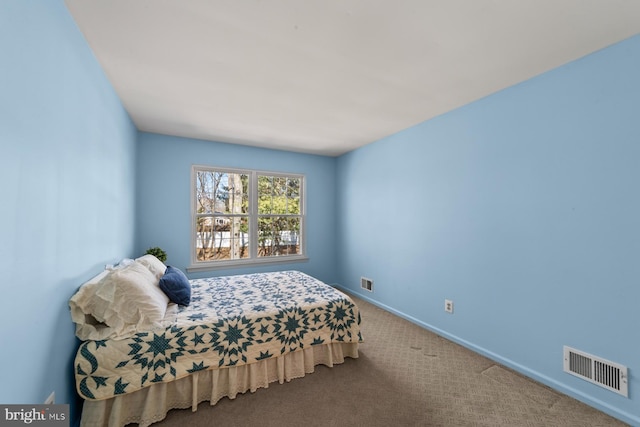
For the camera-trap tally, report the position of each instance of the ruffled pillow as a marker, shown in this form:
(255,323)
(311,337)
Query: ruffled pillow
(118,303)
(154,265)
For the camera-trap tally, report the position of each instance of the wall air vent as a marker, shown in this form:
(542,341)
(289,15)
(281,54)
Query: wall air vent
(366,284)
(609,375)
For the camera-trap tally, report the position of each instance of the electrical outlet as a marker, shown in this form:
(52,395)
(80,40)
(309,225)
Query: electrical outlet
(448,306)
(51,399)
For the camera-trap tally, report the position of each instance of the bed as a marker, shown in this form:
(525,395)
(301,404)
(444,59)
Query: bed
(143,353)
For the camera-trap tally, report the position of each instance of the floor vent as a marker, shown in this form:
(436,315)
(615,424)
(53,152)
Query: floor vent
(366,284)
(609,375)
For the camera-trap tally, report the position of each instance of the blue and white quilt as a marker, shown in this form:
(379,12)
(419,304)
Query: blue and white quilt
(231,321)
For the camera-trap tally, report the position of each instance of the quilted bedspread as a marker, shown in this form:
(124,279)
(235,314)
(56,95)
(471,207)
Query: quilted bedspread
(232,320)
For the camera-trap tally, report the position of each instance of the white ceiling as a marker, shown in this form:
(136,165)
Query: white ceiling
(328,76)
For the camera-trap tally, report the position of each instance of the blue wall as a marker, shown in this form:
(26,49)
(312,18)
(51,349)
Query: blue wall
(164,201)
(523,208)
(66,173)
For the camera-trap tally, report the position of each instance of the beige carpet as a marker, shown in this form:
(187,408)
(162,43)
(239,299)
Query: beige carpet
(405,376)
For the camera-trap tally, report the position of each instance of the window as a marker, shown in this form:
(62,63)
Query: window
(246,217)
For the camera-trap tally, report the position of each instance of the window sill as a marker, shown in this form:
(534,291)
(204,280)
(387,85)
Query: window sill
(221,265)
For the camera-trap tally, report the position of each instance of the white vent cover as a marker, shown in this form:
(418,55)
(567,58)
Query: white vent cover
(366,284)
(609,375)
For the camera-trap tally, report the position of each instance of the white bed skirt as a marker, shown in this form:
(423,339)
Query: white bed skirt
(151,404)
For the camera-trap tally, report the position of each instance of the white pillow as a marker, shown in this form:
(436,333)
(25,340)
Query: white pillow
(118,303)
(125,262)
(156,266)
(87,326)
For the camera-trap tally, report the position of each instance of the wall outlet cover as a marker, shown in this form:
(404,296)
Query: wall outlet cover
(448,306)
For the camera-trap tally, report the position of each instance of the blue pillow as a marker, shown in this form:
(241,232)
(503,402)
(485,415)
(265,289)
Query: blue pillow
(175,284)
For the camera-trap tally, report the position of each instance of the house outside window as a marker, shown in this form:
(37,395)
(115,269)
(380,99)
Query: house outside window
(242,217)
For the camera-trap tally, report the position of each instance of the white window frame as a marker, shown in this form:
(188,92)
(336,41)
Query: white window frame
(253,258)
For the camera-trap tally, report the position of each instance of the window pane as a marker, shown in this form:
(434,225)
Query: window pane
(293,195)
(278,195)
(265,236)
(278,235)
(222,238)
(222,192)
(290,237)
(237,193)
(279,187)
(265,190)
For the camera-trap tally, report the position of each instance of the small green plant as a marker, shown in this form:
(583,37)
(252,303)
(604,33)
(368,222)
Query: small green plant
(158,253)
